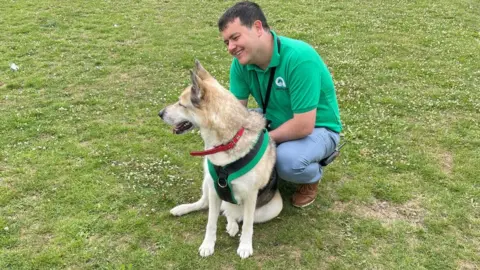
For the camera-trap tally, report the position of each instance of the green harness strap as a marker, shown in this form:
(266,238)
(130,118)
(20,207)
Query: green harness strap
(231,171)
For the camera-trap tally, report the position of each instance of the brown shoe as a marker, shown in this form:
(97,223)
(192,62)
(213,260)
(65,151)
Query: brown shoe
(305,194)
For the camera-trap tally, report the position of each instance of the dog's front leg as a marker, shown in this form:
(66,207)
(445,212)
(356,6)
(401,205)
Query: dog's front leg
(245,249)
(208,245)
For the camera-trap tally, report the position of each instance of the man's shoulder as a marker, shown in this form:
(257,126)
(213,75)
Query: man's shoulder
(296,45)
(298,50)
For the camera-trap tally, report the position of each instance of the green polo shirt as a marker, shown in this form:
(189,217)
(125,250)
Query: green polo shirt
(301,83)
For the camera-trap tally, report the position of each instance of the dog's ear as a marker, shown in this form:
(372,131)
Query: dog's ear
(196,94)
(200,71)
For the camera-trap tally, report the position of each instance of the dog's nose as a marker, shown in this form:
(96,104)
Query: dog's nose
(161,113)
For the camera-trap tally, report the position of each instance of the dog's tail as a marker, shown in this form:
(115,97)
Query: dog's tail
(269,210)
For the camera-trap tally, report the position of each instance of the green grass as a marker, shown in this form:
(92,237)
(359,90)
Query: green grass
(88,172)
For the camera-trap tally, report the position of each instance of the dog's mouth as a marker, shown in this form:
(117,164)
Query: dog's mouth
(182,127)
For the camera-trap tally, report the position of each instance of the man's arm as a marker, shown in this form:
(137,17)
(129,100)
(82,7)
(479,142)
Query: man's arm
(300,126)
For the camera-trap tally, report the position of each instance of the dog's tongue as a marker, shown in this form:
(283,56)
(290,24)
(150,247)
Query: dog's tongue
(182,127)
(175,129)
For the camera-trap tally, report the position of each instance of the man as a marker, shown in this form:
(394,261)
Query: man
(302,108)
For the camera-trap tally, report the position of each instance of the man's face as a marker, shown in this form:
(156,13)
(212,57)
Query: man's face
(241,41)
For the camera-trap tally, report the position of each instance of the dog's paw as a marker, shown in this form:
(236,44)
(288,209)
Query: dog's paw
(245,250)
(180,210)
(232,228)
(206,249)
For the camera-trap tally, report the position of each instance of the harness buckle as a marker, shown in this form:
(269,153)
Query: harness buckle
(222,178)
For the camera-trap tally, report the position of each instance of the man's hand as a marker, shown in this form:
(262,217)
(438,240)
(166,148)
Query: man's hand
(300,126)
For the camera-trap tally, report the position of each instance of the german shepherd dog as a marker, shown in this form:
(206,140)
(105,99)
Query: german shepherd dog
(233,133)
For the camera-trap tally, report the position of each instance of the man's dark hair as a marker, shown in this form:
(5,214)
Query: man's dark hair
(247,12)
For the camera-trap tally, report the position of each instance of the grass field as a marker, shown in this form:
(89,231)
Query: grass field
(88,171)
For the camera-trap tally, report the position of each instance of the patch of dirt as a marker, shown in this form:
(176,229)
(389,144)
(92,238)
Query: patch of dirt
(331,259)
(122,244)
(463,265)
(446,162)
(189,237)
(227,267)
(152,248)
(32,237)
(4,182)
(384,211)
(125,76)
(84,144)
(294,253)
(94,239)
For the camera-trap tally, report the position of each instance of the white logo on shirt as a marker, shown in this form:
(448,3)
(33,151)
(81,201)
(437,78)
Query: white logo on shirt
(280,82)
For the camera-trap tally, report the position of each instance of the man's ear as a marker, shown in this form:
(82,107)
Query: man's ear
(258,27)
(196,90)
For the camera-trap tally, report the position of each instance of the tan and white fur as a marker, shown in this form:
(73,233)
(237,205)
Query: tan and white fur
(207,105)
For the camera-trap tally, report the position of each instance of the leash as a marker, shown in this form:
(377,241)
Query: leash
(269,87)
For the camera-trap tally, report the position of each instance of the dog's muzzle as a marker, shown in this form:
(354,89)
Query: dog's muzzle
(178,128)
(161,113)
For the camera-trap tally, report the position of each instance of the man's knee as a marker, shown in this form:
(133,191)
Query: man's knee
(292,169)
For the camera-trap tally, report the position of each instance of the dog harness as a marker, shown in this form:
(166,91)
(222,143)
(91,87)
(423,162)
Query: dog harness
(224,175)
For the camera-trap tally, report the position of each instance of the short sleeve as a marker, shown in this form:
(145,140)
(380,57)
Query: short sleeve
(305,86)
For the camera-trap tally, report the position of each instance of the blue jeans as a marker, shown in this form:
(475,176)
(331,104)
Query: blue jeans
(297,161)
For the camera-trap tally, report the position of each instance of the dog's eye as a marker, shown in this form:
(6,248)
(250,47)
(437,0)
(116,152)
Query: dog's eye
(181,105)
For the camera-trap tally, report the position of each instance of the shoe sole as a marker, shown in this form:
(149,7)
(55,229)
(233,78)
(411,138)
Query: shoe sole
(303,205)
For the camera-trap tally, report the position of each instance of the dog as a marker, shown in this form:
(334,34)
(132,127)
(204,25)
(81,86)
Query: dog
(231,135)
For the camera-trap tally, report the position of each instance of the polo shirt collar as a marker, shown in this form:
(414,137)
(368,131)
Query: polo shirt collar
(275,61)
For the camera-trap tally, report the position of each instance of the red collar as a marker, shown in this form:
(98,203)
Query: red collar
(221,148)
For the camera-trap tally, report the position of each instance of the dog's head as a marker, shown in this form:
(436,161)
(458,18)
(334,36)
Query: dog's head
(190,110)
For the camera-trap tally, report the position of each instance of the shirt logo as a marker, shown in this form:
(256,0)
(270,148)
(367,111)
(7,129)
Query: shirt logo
(280,82)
